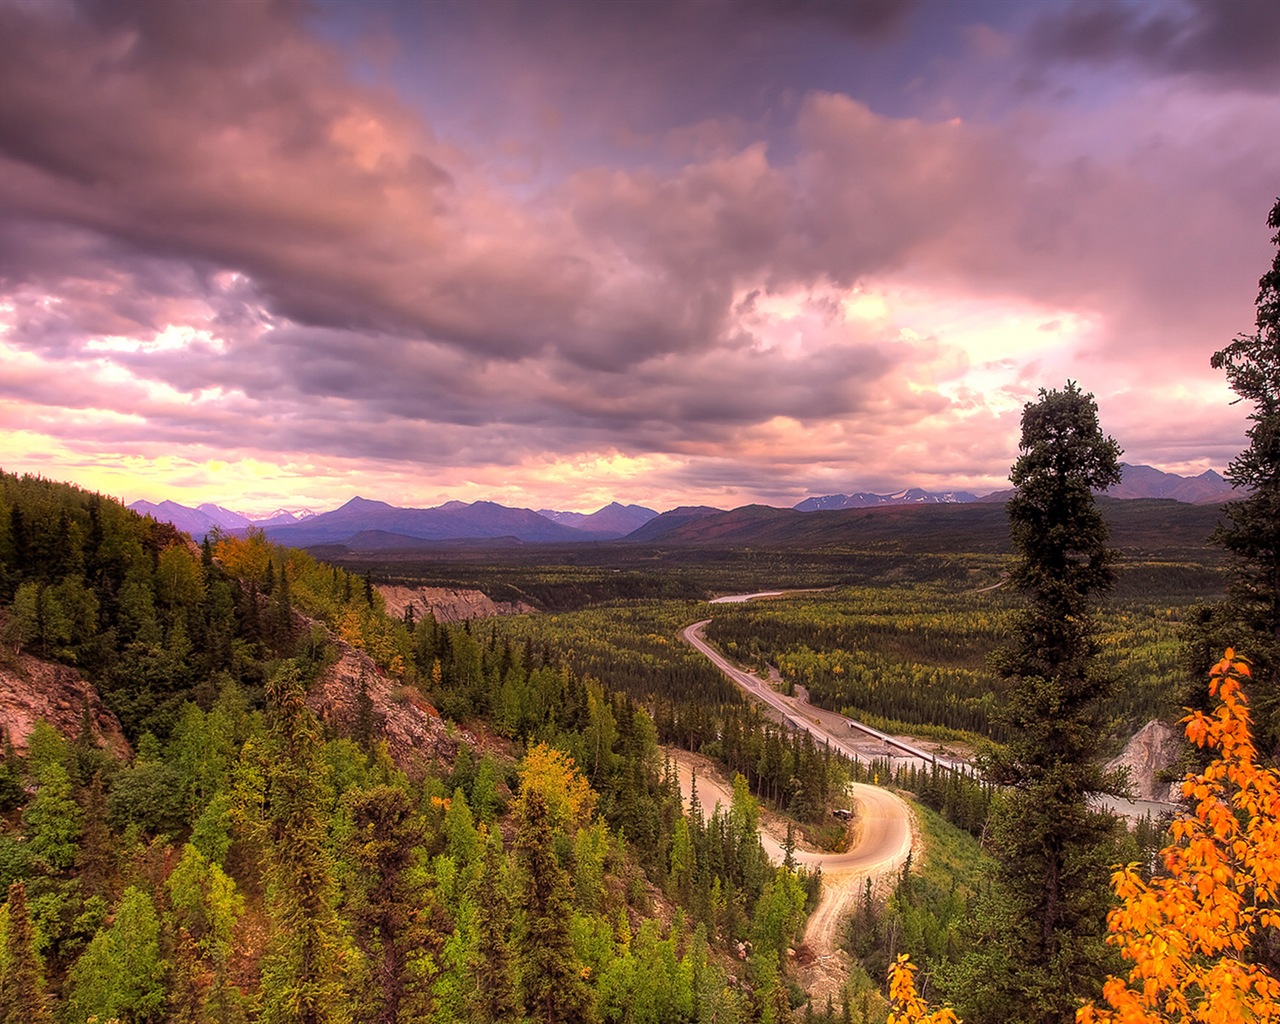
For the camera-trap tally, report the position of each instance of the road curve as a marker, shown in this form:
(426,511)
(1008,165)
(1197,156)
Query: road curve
(884,819)
(885,833)
(883,842)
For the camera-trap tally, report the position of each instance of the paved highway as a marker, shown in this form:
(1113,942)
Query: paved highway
(884,819)
(825,726)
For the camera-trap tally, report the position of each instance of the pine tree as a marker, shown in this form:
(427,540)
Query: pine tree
(301,972)
(22,991)
(1042,947)
(554,990)
(281,613)
(1250,619)
(188,983)
(96,857)
(391,911)
(496,999)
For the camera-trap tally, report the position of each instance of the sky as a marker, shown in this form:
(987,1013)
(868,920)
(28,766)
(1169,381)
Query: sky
(670,252)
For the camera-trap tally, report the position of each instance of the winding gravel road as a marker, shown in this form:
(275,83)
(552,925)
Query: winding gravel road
(884,819)
(884,837)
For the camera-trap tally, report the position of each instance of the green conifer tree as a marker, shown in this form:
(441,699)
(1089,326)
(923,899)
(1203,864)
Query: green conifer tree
(1042,946)
(1249,620)
(301,973)
(495,999)
(392,912)
(22,993)
(554,990)
(188,983)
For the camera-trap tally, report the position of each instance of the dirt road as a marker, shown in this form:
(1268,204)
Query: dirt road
(882,843)
(884,823)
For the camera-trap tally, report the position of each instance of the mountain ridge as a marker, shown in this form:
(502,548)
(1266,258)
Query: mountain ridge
(367,523)
(1136,482)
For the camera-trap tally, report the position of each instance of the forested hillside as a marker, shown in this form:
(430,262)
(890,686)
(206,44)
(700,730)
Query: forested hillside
(247,862)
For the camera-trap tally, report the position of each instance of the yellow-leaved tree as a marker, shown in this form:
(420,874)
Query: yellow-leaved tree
(569,798)
(905,1004)
(1189,932)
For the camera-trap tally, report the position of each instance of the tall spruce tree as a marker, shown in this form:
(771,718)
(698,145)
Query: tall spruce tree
(22,991)
(301,976)
(495,998)
(392,911)
(550,974)
(1249,620)
(1042,948)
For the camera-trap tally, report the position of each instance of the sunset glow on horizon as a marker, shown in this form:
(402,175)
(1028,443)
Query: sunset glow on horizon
(276,254)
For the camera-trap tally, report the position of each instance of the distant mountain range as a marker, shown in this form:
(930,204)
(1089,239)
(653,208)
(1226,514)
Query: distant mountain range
(365,525)
(1136,482)
(204,518)
(1146,526)
(864,499)
(1146,482)
(613,518)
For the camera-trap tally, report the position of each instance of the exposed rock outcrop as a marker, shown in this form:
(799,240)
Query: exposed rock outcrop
(1152,750)
(415,734)
(32,690)
(448,605)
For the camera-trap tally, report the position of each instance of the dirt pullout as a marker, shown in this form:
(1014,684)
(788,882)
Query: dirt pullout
(878,852)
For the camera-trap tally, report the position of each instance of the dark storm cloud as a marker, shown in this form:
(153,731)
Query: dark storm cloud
(216,232)
(334,200)
(1236,42)
(307,382)
(151,134)
(864,19)
(155,130)
(870,19)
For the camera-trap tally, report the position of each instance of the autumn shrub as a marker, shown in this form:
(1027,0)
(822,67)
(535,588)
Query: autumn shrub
(1191,932)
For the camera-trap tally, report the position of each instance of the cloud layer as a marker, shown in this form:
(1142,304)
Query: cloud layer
(255,252)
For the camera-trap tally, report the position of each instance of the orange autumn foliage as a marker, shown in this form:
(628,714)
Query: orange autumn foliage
(1188,933)
(906,1007)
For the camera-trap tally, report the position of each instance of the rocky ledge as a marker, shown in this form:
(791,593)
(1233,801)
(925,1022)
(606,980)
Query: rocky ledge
(448,605)
(1153,749)
(32,690)
(415,734)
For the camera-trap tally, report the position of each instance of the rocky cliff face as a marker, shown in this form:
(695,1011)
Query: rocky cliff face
(1153,749)
(32,690)
(416,736)
(446,604)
